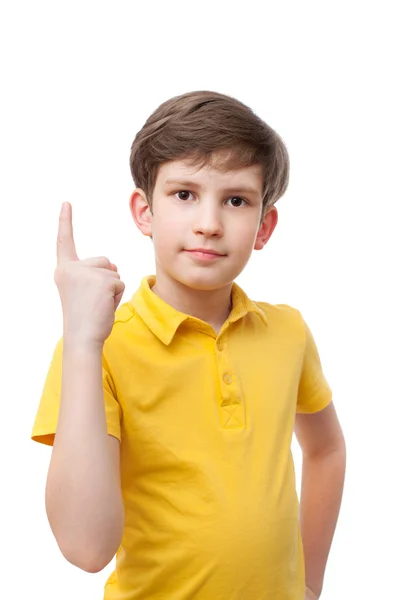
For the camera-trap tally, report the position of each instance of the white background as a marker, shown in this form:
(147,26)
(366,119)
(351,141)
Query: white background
(78,81)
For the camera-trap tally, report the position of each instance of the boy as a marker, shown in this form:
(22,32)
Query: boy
(174,415)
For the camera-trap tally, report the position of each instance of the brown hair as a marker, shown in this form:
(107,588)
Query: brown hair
(195,126)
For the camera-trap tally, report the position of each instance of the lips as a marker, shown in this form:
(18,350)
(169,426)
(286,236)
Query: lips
(205,251)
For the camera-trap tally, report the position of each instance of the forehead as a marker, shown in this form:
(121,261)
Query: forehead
(184,170)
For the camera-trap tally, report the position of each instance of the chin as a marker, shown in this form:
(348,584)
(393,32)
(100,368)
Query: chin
(204,281)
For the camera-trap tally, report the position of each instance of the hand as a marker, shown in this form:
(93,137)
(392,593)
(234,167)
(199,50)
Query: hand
(310,595)
(90,289)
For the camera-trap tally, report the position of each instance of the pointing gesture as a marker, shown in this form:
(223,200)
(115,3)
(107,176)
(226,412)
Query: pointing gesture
(66,250)
(90,290)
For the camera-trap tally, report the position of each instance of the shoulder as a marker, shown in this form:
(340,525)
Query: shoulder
(124,319)
(124,327)
(124,313)
(280,313)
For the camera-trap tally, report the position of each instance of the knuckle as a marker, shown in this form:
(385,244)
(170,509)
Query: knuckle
(59,272)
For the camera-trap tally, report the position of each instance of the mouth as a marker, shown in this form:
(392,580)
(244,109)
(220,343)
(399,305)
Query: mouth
(205,251)
(204,254)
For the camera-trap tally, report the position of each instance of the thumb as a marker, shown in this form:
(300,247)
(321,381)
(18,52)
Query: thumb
(117,299)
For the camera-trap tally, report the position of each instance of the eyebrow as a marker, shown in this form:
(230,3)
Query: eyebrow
(191,184)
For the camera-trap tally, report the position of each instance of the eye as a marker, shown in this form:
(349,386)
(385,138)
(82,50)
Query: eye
(183,195)
(237,198)
(182,192)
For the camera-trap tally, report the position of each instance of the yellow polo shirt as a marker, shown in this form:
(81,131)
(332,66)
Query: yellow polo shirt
(205,423)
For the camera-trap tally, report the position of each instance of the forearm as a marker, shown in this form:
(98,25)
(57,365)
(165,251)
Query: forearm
(83,497)
(321,496)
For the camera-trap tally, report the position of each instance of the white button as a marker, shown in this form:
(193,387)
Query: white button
(227,378)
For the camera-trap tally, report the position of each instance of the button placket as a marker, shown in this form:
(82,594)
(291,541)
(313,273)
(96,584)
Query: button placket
(227,378)
(224,373)
(231,408)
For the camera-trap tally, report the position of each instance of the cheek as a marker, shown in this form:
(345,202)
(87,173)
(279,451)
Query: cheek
(246,231)
(167,231)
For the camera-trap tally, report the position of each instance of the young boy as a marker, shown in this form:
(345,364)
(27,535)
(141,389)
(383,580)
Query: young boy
(175,414)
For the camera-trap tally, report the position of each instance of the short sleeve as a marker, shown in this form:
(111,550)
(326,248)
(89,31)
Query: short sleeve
(314,392)
(45,424)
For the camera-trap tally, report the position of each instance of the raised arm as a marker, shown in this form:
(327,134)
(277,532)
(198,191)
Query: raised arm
(83,493)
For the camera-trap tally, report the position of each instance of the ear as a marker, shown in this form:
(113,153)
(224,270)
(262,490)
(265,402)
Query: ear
(267,226)
(141,212)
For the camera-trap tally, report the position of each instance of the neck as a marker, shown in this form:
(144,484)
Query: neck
(211,306)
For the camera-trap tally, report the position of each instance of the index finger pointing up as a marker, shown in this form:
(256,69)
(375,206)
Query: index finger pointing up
(66,250)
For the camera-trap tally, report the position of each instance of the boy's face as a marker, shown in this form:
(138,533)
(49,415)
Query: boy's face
(207,209)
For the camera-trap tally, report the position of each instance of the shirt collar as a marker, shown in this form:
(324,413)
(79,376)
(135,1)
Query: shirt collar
(164,320)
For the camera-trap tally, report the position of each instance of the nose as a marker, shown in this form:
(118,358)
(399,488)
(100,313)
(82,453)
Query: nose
(207,220)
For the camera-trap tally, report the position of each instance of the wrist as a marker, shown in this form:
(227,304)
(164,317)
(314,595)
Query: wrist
(310,595)
(81,344)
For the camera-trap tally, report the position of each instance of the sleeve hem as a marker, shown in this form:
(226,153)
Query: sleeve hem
(323,402)
(45,435)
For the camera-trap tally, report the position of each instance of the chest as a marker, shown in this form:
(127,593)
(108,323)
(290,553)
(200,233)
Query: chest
(205,386)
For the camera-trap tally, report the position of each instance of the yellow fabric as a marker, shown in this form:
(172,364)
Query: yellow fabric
(205,423)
